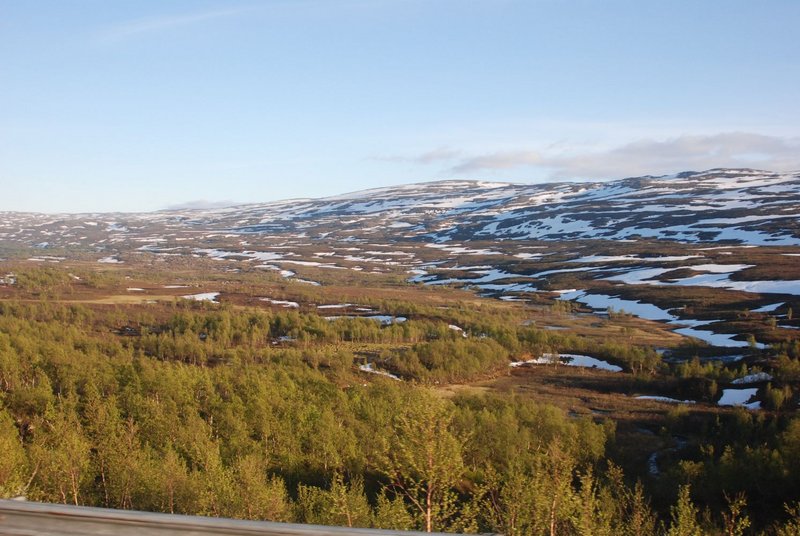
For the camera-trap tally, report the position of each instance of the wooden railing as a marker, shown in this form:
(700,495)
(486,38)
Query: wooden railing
(21,518)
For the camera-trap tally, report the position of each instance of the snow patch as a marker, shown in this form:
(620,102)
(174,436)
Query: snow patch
(203,296)
(666,399)
(739,397)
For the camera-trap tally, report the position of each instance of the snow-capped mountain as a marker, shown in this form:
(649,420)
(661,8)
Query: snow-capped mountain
(746,206)
(720,205)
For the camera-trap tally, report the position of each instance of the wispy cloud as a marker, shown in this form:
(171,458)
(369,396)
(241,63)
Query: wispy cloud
(168,22)
(499,160)
(441,154)
(201,204)
(161,23)
(641,157)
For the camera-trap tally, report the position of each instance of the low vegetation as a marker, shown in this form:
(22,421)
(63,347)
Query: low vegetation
(250,410)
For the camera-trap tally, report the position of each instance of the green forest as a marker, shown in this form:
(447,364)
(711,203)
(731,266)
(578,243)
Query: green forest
(255,414)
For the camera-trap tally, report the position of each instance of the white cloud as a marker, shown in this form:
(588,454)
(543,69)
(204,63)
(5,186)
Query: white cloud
(641,157)
(730,149)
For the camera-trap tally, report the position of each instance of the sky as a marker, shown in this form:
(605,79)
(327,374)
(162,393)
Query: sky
(144,105)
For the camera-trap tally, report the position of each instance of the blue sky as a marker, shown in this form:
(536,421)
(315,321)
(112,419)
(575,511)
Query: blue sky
(141,105)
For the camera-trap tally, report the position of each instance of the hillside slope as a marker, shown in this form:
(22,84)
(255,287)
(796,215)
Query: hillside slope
(721,205)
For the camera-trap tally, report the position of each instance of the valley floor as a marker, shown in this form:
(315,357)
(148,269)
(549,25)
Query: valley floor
(72,327)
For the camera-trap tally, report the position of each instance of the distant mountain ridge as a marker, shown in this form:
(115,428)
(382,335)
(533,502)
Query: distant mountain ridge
(720,205)
(739,205)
